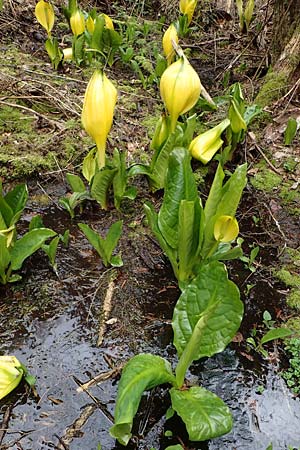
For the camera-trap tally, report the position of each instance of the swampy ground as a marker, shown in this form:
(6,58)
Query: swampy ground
(57,323)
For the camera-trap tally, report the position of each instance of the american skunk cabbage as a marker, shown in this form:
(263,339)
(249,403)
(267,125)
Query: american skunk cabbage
(45,15)
(108,22)
(98,110)
(180,88)
(226,229)
(77,23)
(68,53)
(188,7)
(169,36)
(90,24)
(11,373)
(237,122)
(204,146)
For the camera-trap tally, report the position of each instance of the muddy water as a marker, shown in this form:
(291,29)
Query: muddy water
(51,323)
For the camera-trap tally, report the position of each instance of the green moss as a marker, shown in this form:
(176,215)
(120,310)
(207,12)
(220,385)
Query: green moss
(288,278)
(293,323)
(266,180)
(290,198)
(273,88)
(293,299)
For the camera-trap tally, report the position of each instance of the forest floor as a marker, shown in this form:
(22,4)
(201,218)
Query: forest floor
(53,321)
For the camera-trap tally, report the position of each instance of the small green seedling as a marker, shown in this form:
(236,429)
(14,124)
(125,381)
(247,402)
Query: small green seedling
(249,261)
(290,131)
(106,246)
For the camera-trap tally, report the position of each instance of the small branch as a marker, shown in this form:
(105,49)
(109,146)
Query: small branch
(4,423)
(107,305)
(100,378)
(32,111)
(262,154)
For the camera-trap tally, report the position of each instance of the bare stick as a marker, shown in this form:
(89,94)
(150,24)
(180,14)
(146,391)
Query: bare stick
(107,305)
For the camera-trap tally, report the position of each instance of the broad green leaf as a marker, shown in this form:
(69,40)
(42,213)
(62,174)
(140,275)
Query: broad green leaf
(116,261)
(130,193)
(251,112)
(112,238)
(28,244)
(171,253)
(139,169)
(100,185)
(51,250)
(232,192)
(226,253)
(205,415)
(4,259)
(104,247)
(120,179)
(206,317)
(78,48)
(97,42)
(276,333)
(76,183)
(141,373)
(189,237)
(175,447)
(36,222)
(89,165)
(3,225)
(111,38)
(17,199)
(95,240)
(6,212)
(215,194)
(223,201)
(290,131)
(180,185)
(160,162)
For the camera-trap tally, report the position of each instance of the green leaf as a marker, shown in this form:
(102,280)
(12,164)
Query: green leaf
(190,233)
(78,48)
(17,199)
(251,112)
(116,261)
(222,201)
(141,373)
(171,253)
(180,185)
(104,247)
(215,194)
(4,259)
(290,131)
(51,250)
(120,179)
(175,447)
(36,222)
(206,317)
(28,244)
(100,185)
(160,162)
(232,192)
(6,213)
(276,333)
(112,239)
(89,165)
(97,42)
(76,183)
(205,415)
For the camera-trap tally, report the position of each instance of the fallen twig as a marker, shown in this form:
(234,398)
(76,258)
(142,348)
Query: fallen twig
(100,378)
(107,305)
